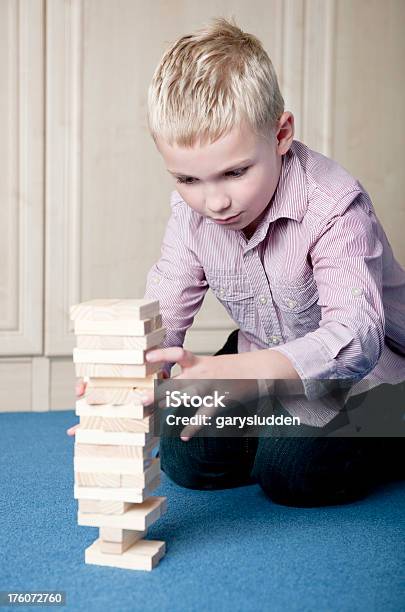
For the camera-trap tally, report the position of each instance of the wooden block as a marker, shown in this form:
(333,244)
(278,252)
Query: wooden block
(116,370)
(105,451)
(97,479)
(99,423)
(130,382)
(94,342)
(116,534)
(114,397)
(103,507)
(143,555)
(146,382)
(128,538)
(114,466)
(90,436)
(109,478)
(105,356)
(114,309)
(137,516)
(157,322)
(114,328)
(119,493)
(141,480)
(131,410)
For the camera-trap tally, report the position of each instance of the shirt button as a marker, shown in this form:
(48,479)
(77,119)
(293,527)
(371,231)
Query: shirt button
(263,299)
(221,291)
(275,339)
(291,303)
(357,291)
(156,280)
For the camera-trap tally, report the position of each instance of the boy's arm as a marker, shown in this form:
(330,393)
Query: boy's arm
(347,266)
(177,280)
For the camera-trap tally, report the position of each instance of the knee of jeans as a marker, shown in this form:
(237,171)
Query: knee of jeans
(177,462)
(274,470)
(282,487)
(281,490)
(295,481)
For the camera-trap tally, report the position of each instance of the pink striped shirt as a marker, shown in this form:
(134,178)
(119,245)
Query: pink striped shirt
(317,280)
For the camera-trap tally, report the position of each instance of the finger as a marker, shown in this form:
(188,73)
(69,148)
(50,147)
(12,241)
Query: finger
(145,396)
(175,354)
(72,430)
(190,390)
(190,430)
(80,387)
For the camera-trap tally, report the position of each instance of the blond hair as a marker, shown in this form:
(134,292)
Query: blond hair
(210,81)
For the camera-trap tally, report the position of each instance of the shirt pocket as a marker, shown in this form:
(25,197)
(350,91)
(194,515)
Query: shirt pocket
(297,308)
(236,295)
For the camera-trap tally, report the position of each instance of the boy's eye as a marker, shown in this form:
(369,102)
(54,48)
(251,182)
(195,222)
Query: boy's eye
(188,180)
(237,173)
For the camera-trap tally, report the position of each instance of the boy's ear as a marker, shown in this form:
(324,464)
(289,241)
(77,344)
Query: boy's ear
(285,134)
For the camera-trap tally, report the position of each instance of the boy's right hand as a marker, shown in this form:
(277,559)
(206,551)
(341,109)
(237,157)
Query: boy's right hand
(80,389)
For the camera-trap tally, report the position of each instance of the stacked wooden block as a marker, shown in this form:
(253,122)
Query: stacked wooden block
(115,472)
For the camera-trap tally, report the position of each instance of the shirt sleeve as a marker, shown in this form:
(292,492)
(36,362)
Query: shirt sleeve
(347,267)
(177,280)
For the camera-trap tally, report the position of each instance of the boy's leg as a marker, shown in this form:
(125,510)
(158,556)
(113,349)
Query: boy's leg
(316,471)
(309,472)
(209,462)
(380,413)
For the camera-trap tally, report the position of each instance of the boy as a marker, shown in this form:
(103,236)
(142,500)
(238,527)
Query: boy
(290,244)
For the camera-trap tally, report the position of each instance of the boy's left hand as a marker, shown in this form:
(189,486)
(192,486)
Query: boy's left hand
(206,369)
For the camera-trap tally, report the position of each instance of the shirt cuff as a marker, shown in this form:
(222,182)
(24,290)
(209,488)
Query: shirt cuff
(314,360)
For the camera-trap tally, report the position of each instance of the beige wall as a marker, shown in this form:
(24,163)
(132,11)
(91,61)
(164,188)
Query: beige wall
(86,219)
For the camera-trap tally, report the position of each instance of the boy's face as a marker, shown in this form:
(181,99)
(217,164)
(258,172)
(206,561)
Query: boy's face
(233,179)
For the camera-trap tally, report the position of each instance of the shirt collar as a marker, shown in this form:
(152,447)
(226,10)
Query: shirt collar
(291,196)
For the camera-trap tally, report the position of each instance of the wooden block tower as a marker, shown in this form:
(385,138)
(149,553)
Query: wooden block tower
(115,472)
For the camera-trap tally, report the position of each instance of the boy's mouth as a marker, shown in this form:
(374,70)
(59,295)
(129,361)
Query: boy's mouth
(227,220)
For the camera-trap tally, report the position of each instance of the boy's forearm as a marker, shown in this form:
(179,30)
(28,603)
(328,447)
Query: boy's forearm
(265,364)
(262,364)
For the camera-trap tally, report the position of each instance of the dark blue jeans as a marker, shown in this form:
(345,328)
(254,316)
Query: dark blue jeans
(293,471)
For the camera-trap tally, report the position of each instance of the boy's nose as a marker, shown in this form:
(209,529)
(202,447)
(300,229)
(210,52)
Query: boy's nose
(217,205)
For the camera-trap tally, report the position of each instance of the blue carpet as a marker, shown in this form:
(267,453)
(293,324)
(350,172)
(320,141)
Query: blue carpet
(226,550)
